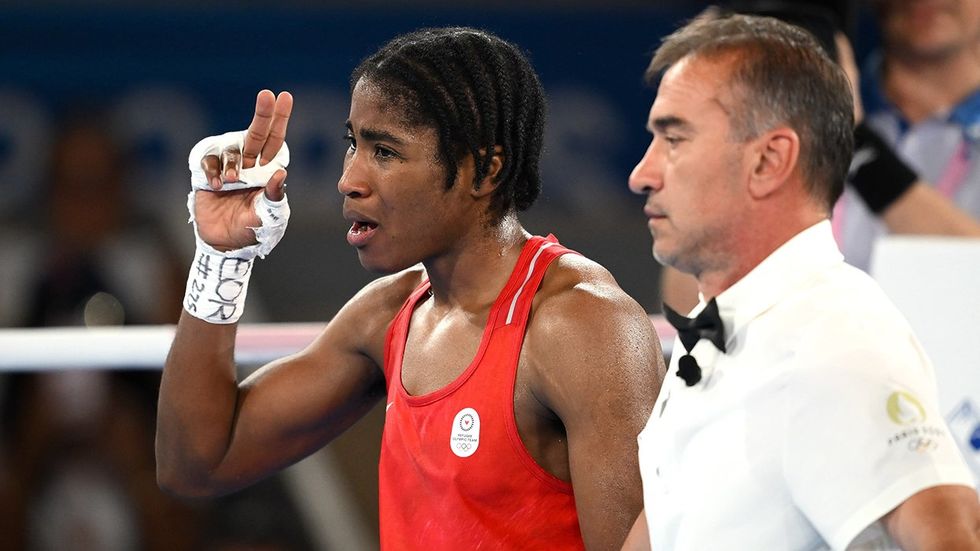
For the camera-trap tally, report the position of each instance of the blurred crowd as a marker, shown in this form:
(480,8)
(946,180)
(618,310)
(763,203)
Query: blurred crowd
(76,446)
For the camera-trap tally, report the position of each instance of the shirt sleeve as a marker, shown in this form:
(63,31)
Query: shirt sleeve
(863,433)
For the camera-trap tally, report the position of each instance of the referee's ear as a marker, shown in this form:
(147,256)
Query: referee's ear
(774,157)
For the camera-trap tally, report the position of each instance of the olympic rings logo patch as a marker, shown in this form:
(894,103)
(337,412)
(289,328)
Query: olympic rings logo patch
(922,444)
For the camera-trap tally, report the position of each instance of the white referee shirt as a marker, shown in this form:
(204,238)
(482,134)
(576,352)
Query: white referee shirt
(820,419)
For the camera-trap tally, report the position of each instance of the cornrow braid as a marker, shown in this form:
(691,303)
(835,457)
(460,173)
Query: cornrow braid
(485,89)
(527,117)
(478,92)
(502,65)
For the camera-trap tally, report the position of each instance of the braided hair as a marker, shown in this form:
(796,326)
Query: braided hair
(478,92)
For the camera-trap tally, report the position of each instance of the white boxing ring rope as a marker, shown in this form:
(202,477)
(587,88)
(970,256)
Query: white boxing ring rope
(136,346)
(146,346)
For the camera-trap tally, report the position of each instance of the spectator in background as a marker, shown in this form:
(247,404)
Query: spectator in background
(915,169)
(98,264)
(77,443)
(922,100)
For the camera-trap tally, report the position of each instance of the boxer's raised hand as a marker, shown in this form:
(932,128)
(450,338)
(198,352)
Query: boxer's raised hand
(237,167)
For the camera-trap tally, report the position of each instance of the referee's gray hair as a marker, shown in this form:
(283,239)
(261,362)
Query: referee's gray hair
(780,75)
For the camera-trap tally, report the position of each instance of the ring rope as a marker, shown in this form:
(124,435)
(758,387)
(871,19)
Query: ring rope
(146,346)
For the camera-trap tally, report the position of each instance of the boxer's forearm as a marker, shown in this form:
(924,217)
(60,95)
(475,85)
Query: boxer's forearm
(196,410)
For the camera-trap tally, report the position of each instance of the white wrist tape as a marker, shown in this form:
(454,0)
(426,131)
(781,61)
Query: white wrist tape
(218,280)
(273,214)
(217,285)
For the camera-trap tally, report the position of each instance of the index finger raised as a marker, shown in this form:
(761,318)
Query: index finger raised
(258,130)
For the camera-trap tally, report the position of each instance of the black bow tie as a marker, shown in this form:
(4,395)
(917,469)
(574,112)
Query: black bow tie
(707,325)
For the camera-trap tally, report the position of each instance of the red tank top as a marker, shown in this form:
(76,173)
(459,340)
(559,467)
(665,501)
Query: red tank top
(454,473)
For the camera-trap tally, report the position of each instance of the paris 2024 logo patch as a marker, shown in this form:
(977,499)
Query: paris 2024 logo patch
(905,409)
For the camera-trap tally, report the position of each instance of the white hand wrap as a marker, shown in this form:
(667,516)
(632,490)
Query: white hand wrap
(257,176)
(218,280)
(217,285)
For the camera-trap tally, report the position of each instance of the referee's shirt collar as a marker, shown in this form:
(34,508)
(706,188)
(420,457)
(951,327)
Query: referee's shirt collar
(794,264)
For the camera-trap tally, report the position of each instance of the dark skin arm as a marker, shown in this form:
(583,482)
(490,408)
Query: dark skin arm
(597,366)
(216,435)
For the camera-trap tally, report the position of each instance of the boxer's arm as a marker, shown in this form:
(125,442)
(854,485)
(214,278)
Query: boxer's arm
(598,367)
(215,435)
